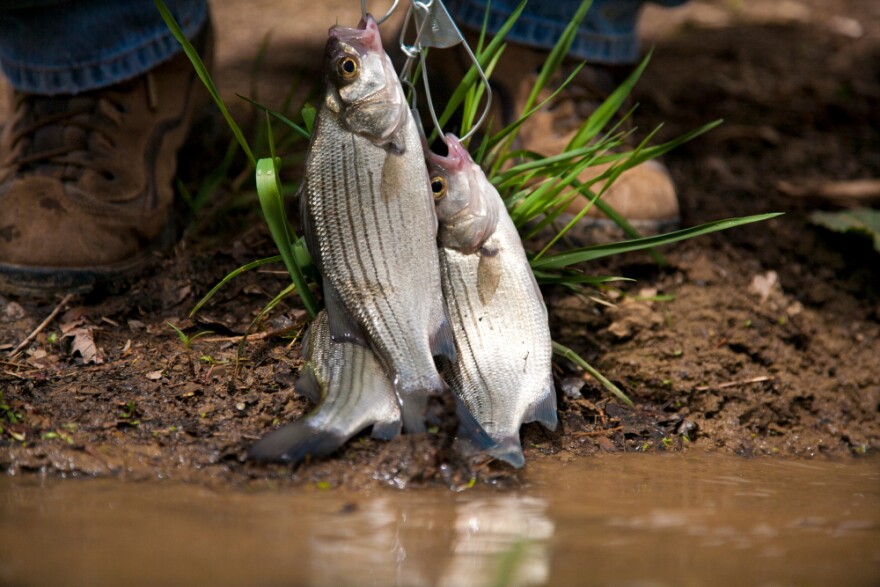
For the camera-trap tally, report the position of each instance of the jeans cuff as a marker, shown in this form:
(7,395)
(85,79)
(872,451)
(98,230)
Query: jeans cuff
(595,47)
(105,72)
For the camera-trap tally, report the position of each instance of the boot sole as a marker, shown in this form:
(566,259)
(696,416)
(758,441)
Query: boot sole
(46,282)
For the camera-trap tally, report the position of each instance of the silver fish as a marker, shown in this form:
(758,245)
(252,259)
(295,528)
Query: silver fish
(503,370)
(352,392)
(369,220)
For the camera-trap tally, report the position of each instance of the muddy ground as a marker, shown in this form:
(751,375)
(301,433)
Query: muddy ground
(762,340)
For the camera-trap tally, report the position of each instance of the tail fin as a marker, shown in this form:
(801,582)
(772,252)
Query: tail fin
(293,442)
(544,409)
(413,396)
(509,450)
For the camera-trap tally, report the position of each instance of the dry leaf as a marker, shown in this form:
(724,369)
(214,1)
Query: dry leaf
(154,375)
(84,344)
(763,285)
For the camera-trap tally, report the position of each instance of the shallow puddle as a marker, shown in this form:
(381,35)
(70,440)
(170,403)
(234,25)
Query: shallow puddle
(641,520)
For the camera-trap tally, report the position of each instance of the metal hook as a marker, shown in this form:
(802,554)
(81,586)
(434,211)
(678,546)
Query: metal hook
(435,28)
(380,20)
(412,51)
(488,87)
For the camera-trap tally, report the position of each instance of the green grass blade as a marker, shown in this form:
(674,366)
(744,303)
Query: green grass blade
(309,113)
(514,126)
(484,57)
(269,191)
(562,278)
(551,66)
(203,74)
(567,353)
(628,229)
(593,252)
(232,275)
(558,53)
(600,117)
(300,130)
(614,172)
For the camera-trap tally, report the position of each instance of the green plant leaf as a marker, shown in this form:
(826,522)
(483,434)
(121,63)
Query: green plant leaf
(484,57)
(309,113)
(865,221)
(204,75)
(304,132)
(590,253)
(567,353)
(232,275)
(269,191)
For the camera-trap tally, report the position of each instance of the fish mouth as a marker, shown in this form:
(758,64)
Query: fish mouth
(456,159)
(365,35)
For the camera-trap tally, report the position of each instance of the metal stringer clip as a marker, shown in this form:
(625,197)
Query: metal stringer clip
(435,28)
(378,20)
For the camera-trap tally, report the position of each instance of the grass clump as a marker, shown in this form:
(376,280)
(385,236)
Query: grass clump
(537,189)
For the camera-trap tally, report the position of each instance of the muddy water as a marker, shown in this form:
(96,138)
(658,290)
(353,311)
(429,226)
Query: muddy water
(641,520)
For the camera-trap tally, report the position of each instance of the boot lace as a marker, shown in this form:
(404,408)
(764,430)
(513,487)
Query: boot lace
(62,136)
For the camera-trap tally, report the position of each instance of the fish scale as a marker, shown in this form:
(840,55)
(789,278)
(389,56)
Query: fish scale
(370,225)
(502,345)
(351,390)
(502,373)
(381,278)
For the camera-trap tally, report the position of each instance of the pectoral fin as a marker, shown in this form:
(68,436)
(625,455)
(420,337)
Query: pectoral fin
(489,272)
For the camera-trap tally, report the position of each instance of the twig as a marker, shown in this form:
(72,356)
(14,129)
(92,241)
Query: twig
(255,336)
(12,363)
(734,383)
(844,193)
(42,325)
(596,432)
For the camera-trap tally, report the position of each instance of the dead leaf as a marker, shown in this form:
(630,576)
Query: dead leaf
(73,317)
(12,312)
(154,375)
(764,285)
(84,344)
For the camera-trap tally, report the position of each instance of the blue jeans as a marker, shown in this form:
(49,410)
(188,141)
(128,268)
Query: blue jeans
(65,47)
(606,35)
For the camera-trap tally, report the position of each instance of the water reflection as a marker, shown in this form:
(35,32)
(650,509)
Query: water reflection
(621,520)
(503,537)
(389,541)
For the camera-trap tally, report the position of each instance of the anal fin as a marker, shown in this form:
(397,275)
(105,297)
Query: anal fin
(307,384)
(442,341)
(343,327)
(469,429)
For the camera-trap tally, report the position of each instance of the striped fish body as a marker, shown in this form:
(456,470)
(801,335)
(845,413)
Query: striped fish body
(352,392)
(369,220)
(503,368)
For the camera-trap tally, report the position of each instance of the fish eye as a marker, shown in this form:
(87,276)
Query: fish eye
(438,187)
(347,67)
